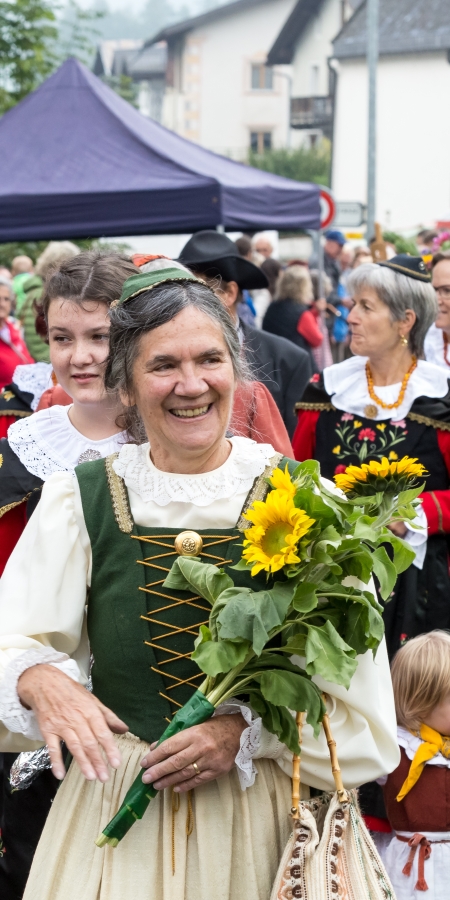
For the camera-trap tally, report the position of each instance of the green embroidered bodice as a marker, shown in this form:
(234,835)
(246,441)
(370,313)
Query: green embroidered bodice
(142,634)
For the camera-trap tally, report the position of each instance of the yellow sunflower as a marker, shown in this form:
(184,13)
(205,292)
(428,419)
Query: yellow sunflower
(402,470)
(282,481)
(277,527)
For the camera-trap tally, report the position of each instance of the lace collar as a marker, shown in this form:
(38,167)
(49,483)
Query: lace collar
(34,379)
(47,442)
(246,461)
(347,385)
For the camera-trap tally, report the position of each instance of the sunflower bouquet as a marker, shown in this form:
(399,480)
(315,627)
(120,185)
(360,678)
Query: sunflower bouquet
(312,614)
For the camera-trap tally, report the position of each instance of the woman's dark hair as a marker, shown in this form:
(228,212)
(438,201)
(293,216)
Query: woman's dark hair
(148,311)
(93,275)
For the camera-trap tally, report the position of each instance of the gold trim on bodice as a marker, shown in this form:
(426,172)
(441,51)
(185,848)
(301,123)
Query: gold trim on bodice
(166,633)
(119,496)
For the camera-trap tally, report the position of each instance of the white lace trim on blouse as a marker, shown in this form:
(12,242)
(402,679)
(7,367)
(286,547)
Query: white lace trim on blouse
(33,378)
(13,715)
(346,382)
(246,461)
(250,741)
(47,442)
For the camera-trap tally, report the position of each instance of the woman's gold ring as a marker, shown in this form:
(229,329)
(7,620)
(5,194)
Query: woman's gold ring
(196,768)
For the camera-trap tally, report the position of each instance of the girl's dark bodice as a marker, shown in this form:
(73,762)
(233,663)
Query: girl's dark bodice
(427,805)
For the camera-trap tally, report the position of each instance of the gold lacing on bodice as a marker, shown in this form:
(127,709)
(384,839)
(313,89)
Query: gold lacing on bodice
(168,643)
(174,621)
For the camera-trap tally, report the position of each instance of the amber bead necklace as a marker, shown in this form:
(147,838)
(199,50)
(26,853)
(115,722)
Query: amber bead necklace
(371,411)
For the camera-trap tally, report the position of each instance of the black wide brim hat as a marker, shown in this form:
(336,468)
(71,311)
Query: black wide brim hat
(213,254)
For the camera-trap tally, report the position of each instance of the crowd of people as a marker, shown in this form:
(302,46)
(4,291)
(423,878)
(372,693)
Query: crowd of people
(143,397)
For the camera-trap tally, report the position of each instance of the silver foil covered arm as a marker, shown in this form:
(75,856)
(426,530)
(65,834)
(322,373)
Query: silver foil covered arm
(27,767)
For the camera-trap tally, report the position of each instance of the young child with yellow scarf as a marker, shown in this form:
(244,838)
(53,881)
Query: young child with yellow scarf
(417,793)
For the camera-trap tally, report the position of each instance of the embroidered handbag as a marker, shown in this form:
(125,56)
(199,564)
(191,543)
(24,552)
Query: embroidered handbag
(330,854)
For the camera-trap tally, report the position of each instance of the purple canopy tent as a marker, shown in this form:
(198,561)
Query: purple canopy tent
(78,161)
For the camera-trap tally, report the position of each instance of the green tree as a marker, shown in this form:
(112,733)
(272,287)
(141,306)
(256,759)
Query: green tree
(302,164)
(28,33)
(124,86)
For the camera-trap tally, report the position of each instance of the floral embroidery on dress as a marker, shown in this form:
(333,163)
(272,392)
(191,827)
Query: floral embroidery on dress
(354,440)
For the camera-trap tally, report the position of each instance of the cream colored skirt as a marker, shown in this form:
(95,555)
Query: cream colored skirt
(232,853)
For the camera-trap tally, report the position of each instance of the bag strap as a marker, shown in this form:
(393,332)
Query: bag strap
(342,794)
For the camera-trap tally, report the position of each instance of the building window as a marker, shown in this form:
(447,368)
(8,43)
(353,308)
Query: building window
(260,141)
(262,77)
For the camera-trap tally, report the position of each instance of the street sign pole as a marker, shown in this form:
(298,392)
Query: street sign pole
(372,62)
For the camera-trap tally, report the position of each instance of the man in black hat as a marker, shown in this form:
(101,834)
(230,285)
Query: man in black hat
(284,368)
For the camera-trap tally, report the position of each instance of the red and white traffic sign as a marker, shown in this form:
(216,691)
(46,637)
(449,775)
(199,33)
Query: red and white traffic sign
(327,208)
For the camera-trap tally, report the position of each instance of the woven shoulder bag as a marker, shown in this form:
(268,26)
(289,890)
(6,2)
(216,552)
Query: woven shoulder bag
(330,854)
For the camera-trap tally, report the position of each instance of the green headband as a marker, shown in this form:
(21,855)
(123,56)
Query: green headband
(137,284)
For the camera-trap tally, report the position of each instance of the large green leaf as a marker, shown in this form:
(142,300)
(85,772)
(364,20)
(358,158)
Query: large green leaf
(364,529)
(277,719)
(313,504)
(403,556)
(295,692)
(305,597)
(205,579)
(214,657)
(328,655)
(252,615)
(364,627)
(385,571)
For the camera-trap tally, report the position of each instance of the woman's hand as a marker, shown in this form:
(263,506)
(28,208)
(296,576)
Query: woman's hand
(67,712)
(212,747)
(398,528)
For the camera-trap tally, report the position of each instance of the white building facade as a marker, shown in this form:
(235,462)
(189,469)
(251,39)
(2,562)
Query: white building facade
(306,43)
(219,91)
(413,114)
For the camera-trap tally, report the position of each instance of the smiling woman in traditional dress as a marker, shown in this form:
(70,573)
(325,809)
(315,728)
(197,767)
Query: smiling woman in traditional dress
(219,824)
(387,401)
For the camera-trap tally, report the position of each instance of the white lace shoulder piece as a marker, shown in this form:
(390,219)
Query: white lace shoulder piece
(13,715)
(346,382)
(34,378)
(246,462)
(34,452)
(47,442)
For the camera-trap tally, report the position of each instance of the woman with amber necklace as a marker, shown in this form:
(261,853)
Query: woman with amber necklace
(386,401)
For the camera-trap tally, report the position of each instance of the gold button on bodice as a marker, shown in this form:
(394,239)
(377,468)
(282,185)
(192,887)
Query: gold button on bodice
(188,543)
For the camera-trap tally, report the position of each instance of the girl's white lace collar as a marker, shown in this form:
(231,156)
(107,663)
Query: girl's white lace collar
(33,378)
(346,382)
(411,743)
(246,461)
(47,442)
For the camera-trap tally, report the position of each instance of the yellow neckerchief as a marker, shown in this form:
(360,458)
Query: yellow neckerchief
(433,743)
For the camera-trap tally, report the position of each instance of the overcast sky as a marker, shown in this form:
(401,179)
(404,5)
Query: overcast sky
(143,18)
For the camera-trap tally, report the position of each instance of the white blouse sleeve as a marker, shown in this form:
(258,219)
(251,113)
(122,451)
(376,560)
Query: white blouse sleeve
(363,725)
(42,604)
